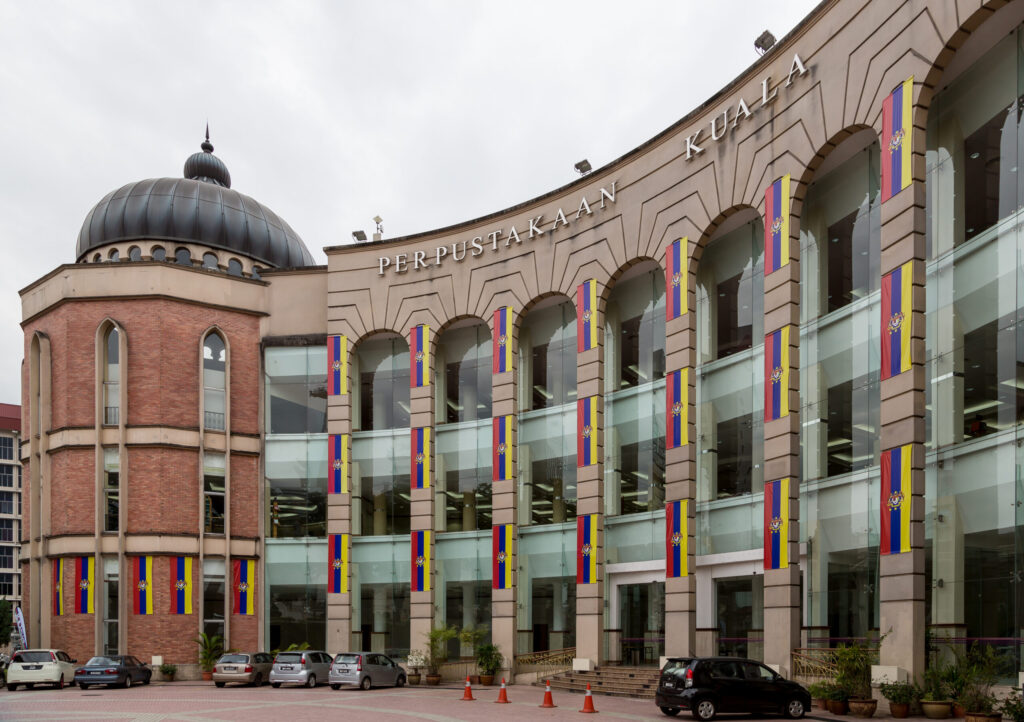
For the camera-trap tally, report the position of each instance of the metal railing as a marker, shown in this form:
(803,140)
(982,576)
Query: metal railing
(111,415)
(213,420)
(552,660)
(818,664)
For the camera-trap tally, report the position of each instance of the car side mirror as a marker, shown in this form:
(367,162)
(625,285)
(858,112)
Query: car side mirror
(74,661)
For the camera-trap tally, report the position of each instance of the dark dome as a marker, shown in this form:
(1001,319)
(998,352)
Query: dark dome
(200,208)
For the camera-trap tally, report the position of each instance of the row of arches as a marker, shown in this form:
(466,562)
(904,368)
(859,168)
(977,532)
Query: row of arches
(181,255)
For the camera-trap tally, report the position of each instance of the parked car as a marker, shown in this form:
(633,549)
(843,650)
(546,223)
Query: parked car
(30,667)
(302,667)
(113,669)
(365,670)
(709,685)
(245,667)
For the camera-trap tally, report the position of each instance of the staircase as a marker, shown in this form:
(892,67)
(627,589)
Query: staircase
(640,682)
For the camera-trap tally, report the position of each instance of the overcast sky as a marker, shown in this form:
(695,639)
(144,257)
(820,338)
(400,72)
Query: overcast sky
(426,113)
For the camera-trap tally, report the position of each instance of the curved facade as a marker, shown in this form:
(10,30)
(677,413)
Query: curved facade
(751,388)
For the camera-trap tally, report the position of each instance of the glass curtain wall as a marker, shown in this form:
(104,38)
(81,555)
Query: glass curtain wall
(295,465)
(462,458)
(730,427)
(547,418)
(839,391)
(975,354)
(547,583)
(634,439)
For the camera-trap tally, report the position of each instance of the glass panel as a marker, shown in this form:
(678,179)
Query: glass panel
(214,365)
(730,287)
(296,390)
(547,465)
(380,595)
(464,386)
(462,473)
(634,447)
(296,470)
(547,583)
(464,573)
(741,616)
(642,622)
(547,357)
(382,370)
(297,593)
(380,482)
(111,489)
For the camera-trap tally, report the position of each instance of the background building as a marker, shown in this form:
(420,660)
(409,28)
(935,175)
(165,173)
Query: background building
(752,387)
(10,503)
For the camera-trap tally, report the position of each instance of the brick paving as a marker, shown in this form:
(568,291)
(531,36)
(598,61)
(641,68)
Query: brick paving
(192,702)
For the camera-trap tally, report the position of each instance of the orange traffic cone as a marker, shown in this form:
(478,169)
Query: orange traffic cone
(548,701)
(588,702)
(467,696)
(502,695)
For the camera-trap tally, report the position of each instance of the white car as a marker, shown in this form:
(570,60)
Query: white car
(30,667)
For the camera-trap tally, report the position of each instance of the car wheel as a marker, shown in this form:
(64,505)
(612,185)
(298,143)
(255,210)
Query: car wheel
(311,682)
(335,687)
(670,711)
(400,682)
(365,683)
(12,687)
(258,682)
(704,710)
(275,685)
(127,681)
(145,680)
(219,684)
(30,685)
(82,686)
(60,683)
(794,708)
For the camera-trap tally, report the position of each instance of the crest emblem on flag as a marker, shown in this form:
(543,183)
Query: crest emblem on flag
(419,458)
(775,524)
(243,586)
(502,339)
(895,500)
(777,224)
(337,464)
(585,550)
(895,321)
(586,432)
(336,366)
(677,279)
(143,585)
(180,585)
(501,448)
(896,140)
(776,375)
(337,564)
(84,584)
(419,355)
(586,315)
(501,557)
(419,560)
(677,408)
(677,539)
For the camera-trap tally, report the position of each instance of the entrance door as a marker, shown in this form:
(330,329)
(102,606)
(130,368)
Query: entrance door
(642,621)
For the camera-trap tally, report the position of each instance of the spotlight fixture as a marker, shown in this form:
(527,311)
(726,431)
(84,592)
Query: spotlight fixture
(378,220)
(359,236)
(764,42)
(583,167)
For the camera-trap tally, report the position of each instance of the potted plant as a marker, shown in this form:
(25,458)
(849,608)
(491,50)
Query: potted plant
(416,661)
(473,637)
(1013,706)
(210,649)
(836,698)
(978,668)
(489,660)
(853,674)
(437,651)
(819,694)
(168,671)
(900,695)
(935,702)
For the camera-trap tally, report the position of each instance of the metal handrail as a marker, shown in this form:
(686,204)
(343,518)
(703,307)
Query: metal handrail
(550,660)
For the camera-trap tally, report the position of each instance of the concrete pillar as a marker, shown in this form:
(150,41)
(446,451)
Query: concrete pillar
(339,506)
(422,614)
(782,603)
(902,576)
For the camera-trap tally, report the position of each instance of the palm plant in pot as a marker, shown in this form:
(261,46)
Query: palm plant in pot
(819,694)
(489,660)
(900,695)
(211,646)
(836,697)
(473,637)
(437,651)
(853,674)
(979,672)
(935,702)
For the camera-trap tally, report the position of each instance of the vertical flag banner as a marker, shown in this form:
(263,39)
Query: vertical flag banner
(897,304)
(586,431)
(420,458)
(420,561)
(502,351)
(586,549)
(677,409)
(776,524)
(502,548)
(142,595)
(501,461)
(419,356)
(675,539)
(58,587)
(181,585)
(776,374)
(897,131)
(243,572)
(337,571)
(85,578)
(675,280)
(776,225)
(337,365)
(895,537)
(337,463)
(586,316)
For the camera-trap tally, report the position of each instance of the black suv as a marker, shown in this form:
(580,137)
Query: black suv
(709,685)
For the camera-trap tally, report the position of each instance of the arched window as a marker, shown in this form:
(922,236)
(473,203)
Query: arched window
(235,267)
(214,382)
(210,261)
(134,253)
(114,255)
(111,378)
(183,256)
(97,258)
(256,273)
(158,253)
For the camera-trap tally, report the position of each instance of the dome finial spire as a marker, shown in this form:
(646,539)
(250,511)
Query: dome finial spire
(207,145)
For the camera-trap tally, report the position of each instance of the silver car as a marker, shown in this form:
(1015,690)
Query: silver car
(365,670)
(305,667)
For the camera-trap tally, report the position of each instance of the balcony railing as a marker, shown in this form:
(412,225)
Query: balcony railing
(553,660)
(213,420)
(111,415)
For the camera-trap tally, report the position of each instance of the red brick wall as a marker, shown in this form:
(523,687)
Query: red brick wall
(245,492)
(163,491)
(72,491)
(72,632)
(163,633)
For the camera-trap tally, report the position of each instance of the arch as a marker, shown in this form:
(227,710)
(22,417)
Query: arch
(114,255)
(158,253)
(134,253)
(214,373)
(97,258)
(111,339)
(235,267)
(210,261)
(183,256)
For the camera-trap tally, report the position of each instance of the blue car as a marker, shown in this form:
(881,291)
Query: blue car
(113,669)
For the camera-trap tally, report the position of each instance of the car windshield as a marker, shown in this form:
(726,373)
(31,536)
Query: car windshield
(347,658)
(289,658)
(103,661)
(676,666)
(33,657)
(237,658)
